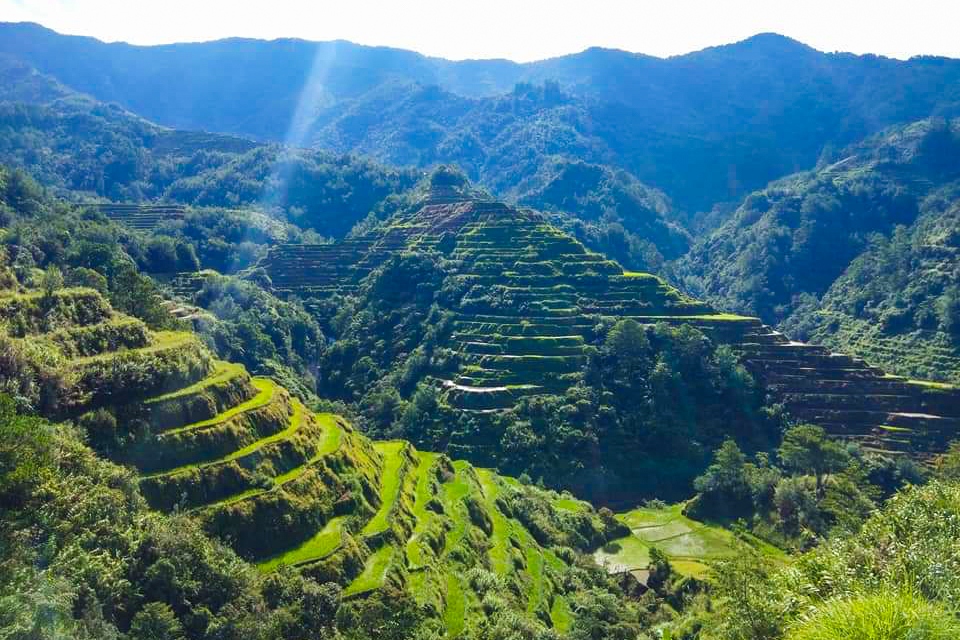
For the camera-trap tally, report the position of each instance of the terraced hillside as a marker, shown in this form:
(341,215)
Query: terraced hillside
(140,216)
(289,487)
(530,297)
(851,398)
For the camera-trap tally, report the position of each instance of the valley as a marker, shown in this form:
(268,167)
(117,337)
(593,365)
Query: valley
(325,341)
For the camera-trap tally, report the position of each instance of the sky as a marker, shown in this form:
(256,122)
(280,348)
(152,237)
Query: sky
(520,30)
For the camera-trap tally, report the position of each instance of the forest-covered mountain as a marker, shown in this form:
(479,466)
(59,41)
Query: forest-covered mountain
(704,127)
(859,253)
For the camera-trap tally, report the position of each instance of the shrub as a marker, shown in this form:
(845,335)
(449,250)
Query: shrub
(885,616)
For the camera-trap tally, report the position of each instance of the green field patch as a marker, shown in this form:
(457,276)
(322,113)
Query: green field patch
(452,495)
(622,555)
(690,568)
(390,481)
(455,607)
(332,437)
(929,384)
(500,537)
(560,614)
(663,531)
(570,504)
(705,542)
(689,545)
(645,517)
(374,572)
(325,542)
(535,571)
(223,371)
(422,515)
(162,340)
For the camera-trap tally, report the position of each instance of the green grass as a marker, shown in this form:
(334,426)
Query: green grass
(624,554)
(390,481)
(296,421)
(570,504)
(162,340)
(224,371)
(560,614)
(452,494)
(500,538)
(374,572)
(933,385)
(535,571)
(266,389)
(455,609)
(884,616)
(325,542)
(420,512)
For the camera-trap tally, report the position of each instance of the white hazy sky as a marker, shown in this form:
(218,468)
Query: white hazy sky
(520,30)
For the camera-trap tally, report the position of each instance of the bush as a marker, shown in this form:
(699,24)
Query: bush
(885,616)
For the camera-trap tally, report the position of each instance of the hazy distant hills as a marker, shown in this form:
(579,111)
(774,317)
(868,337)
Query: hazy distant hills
(704,127)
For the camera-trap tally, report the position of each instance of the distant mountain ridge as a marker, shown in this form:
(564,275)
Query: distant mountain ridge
(705,127)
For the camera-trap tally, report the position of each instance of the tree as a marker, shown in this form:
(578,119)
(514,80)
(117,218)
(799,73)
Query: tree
(627,345)
(948,463)
(807,449)
(949,307)
(156,621)
(52,281)
(137,295)
(726,473)
(25,452)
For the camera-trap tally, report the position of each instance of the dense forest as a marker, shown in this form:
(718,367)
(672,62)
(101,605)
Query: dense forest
(602,346)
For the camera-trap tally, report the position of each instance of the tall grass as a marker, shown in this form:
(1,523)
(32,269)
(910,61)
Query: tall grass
(884,616)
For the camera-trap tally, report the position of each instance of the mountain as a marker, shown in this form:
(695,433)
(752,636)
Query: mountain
(88,151)
(479,329)
(858,254)
(705,127)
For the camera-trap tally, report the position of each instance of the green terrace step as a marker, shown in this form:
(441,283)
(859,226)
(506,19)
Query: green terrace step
(24,314)
(267,390)
(847,401)
(324,544)
(332,439)
(491,397)
(263,415)
(113,334)
(467,328)
(416,548)
(172,360)
(529,347)
(374,572)
(397,459)
(227,385)
(193,485)
(281,513)
(528,363)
